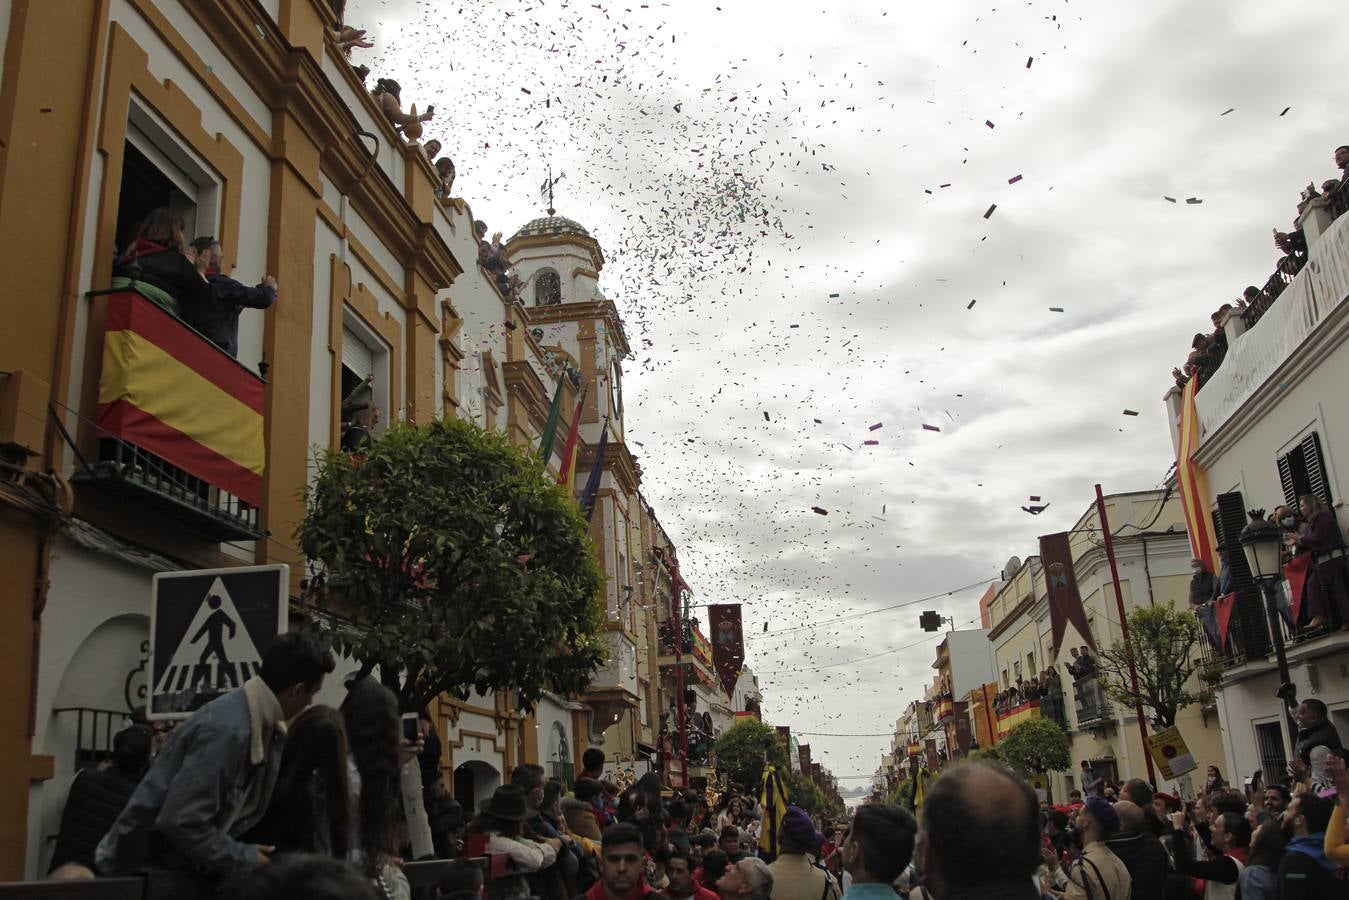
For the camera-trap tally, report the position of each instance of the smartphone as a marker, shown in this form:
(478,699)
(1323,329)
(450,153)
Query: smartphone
(411,728)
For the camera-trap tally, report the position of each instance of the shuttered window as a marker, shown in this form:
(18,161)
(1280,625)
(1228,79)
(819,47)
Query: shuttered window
(357,355)
(1248,633)
(1303,471)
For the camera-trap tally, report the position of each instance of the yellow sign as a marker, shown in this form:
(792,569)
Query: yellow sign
(1171,754)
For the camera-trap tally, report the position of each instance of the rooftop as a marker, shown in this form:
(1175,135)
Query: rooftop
(557,226)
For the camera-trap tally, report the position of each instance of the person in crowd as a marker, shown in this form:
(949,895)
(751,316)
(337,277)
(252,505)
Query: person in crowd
(1074,798)
(622,862)
(558,879)
(214,777)
(579,809)
(683,885)
(158,257)
(1096,872)
(1231,838)
(1213,780)
(713,867)
(461,880)
(1140,850)
(445,169)
(97,797)
(1335,846)
(501,817)
(1341,157)
(1275,800)
(1305,870)
(432,149)
(795,874)
(444,815)
(1325,541)
(218,319)
(1140,793)
(374,734)
(979,812)
(748,879)
(309,811)
(303,876)
(1314,730)
(877,849)
(388,94)
(730,843)
(699,846)
(1092,784)
(1259,880)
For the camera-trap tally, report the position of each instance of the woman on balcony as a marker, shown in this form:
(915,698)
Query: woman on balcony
(158,264)
(1323,539)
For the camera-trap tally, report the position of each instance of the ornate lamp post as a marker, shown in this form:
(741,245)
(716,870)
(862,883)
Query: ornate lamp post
(1261,541)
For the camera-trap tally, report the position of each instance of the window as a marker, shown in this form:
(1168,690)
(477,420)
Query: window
(1269,741)
(547,288)
(365,385)
(1303,471)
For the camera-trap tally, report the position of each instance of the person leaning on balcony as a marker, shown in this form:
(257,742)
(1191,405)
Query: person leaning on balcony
(1324,540)
(388,94)
(158,257)
(218,318)
(214,779)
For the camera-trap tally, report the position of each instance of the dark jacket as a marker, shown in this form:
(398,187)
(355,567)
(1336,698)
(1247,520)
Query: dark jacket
(1147,861)
(1301,877)
(1202,588)
(217,317)
(1323,735)
(168,270)
(1015,890)
(1323,533)
(96,799)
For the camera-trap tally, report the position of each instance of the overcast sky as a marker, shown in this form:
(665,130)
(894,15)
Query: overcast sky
(741,163)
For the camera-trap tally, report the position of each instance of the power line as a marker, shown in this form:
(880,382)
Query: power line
(872,612)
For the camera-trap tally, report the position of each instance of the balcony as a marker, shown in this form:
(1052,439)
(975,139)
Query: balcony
(1013,716)
(179,426)
(1307,286)
(1089,703)
(615,687)
(1248,649)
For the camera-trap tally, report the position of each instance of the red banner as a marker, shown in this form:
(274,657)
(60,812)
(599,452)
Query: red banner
(1225,605)
(728,642)
(1065,603)
(932,760)
(1296,572)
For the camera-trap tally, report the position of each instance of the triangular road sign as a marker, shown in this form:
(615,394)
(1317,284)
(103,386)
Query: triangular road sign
(215,654)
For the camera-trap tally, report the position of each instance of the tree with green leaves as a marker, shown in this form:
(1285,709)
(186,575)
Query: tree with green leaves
(458,564)
(803,792)
(1036,746)
(903,794)
(1164,647)
(741,750)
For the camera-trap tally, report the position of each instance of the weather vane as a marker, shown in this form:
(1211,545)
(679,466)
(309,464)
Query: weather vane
(546,190)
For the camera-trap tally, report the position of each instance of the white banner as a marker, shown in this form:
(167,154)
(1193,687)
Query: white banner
(1320,287)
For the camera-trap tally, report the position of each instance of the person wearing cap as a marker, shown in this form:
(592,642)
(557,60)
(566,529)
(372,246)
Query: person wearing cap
(795,874)
(501,817)
(1097,873)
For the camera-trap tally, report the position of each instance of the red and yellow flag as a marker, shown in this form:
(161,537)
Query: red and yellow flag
(566,475)
(1194,497)
(171,392)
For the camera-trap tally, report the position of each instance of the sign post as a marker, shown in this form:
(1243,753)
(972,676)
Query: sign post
(208,631)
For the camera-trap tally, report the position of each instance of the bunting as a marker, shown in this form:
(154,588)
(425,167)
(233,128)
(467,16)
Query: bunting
(773,801)
(1225,605)
(1296,572)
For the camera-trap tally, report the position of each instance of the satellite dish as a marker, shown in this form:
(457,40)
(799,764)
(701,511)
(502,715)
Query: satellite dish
(1010,568)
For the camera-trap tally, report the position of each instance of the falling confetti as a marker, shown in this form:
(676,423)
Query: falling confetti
(1130,412)
(931,428)
(990,210)
(819,511)
(1014,179)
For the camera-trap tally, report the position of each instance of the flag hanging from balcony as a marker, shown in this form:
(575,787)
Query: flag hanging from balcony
(773,801)
(728,643)
(550,427)
(919,789)
(172,393)
(1065,603)
(1296,572)
(590,496)
(1224,607)
(566,473)
(1194,498)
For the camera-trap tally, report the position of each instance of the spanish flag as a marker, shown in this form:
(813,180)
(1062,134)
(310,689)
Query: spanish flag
(167,390)
(773,800)
(1194,499)
(566,475)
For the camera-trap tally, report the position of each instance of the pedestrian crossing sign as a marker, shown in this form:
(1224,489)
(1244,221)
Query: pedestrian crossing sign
(208,630)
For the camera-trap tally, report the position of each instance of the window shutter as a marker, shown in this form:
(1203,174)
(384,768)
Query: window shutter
(356,354)
(1248,633)
(1286,479)
(1316,468)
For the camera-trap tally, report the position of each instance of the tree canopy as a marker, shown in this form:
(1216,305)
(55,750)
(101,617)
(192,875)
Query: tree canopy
(741,749)
(1036,746)
(1164,647)
(459,562)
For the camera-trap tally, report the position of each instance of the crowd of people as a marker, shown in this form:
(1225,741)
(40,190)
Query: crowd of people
(1207,350)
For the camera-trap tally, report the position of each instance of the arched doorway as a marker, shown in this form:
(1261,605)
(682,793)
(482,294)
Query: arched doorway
(474,781)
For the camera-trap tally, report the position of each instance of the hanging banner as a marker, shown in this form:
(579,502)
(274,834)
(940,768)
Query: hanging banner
(728,643)
(1296,573)
(1224,607)
(1171,754)
(1065,603)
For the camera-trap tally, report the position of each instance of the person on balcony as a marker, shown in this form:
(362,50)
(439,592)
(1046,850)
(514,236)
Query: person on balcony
(1324,540)
(159,262)
(218,318)
(388,94)
(214,779)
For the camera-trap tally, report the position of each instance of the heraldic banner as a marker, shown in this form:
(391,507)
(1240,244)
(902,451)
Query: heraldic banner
(728,643)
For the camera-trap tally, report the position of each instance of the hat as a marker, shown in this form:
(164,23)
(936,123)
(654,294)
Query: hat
(1103,812)
(797,828)
(507,802)
(1172,803)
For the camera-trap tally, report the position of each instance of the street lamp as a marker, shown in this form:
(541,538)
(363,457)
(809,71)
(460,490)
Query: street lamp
(1261,541)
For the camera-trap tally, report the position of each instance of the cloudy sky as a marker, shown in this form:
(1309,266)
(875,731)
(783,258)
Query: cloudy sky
(792,201)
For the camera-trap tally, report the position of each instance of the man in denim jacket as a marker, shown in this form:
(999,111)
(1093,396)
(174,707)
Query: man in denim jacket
(214,778)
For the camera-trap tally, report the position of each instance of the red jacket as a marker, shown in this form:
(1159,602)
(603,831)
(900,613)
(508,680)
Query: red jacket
(699,893)
(597,891)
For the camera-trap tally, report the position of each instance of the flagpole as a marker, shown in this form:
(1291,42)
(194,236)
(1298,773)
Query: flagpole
(1124,629)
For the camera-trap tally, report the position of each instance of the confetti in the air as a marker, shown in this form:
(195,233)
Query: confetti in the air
(989,212)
